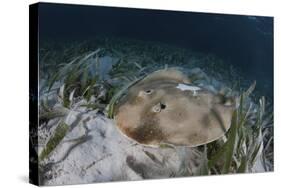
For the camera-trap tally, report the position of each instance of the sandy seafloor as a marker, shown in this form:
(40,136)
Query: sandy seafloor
(93,149)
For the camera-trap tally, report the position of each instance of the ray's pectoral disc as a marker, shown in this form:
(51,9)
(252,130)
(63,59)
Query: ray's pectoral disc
(165,107)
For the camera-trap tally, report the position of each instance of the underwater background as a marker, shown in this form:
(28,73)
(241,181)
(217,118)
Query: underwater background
(88,54)
(246,42)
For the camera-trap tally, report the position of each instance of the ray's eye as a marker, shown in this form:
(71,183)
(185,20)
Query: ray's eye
(162,106)
(158,107)
(149,91)
(144,93)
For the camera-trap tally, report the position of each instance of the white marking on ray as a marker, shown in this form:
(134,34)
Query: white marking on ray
(185,87)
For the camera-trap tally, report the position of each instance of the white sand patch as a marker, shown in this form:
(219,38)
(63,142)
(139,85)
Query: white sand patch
(95,151)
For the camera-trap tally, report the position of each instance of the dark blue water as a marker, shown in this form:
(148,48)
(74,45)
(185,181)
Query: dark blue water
(244,41)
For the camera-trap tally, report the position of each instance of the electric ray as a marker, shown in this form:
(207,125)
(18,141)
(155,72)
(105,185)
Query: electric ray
(164,107)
